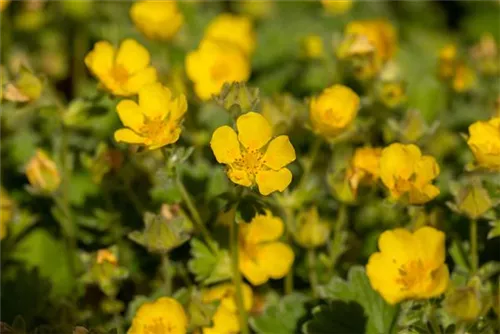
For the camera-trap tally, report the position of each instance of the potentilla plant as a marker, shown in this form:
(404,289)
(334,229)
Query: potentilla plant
(173,167)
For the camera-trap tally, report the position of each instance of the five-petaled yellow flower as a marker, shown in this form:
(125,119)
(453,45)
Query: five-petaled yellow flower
(337,7)
(6,212)
(365,166)
(484,141)
(251,156)
(409,265)
(261,257)
(237,30)
(405,171)
(42,172)
(165,315)
(155,121)
(333,110)
(123,72)
(225,320)
(213,64)
(159,20)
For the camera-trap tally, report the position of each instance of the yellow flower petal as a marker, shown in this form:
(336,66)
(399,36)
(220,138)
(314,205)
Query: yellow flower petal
(132,56)
(128,136)
(280,153)
(141,79)
(130,114)
(400,244)
(423,195)
(254,130)
(398,160)
(225,145)
(432,245)
(165,313)
(262,228)
(224,321)
(270,181)
(100,60)
(381,271)
(275,259)
(427,170)
(155,100)
(240,177)
(441,279)
(178,108)
(252,272)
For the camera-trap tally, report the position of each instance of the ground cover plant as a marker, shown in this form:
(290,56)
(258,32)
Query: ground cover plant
(250,167)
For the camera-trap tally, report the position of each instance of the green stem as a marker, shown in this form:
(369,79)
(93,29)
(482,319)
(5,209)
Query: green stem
(473,246)
(310,162)
(313,276)
(289,229)
(167,273)
(195,215)
(237,281)
(336,248)
(79,48)
(436,329)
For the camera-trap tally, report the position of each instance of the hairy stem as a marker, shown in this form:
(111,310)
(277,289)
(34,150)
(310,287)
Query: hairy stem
(237,281)
(473,246)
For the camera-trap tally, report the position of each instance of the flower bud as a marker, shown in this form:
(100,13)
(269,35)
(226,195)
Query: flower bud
(464,303)
(312,231)
(104,270)
(312,47)
(337,7)
(472,200)
(333,111)
(160,234)
(42,173)
(238,97)
(484,141)
(26,88)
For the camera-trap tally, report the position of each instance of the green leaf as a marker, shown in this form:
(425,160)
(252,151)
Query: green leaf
(282,316)
(207,266)
(495,229)
(40,250)
(357,288)
(337,317)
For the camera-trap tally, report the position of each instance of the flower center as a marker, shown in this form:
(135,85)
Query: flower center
(250,161)
(411,274)
(158,325)
(219,71)
(119,74)
(157,130)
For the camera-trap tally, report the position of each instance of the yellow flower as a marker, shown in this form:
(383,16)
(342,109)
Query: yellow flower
(4,4)
(447,61)
(165,315)
(365,166)
(232,29)
(225,320)
(373,41)
(333,110)
(313,47)
(6,212)
(261,257)
(159,20)
(337,6)
(405,171)
(485,55)
(213,64)
(484,141)
(42,173)
(464,79)
(123,72)
(409,265)
(312,231)
(392,94)
(249,157)
(155,121)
